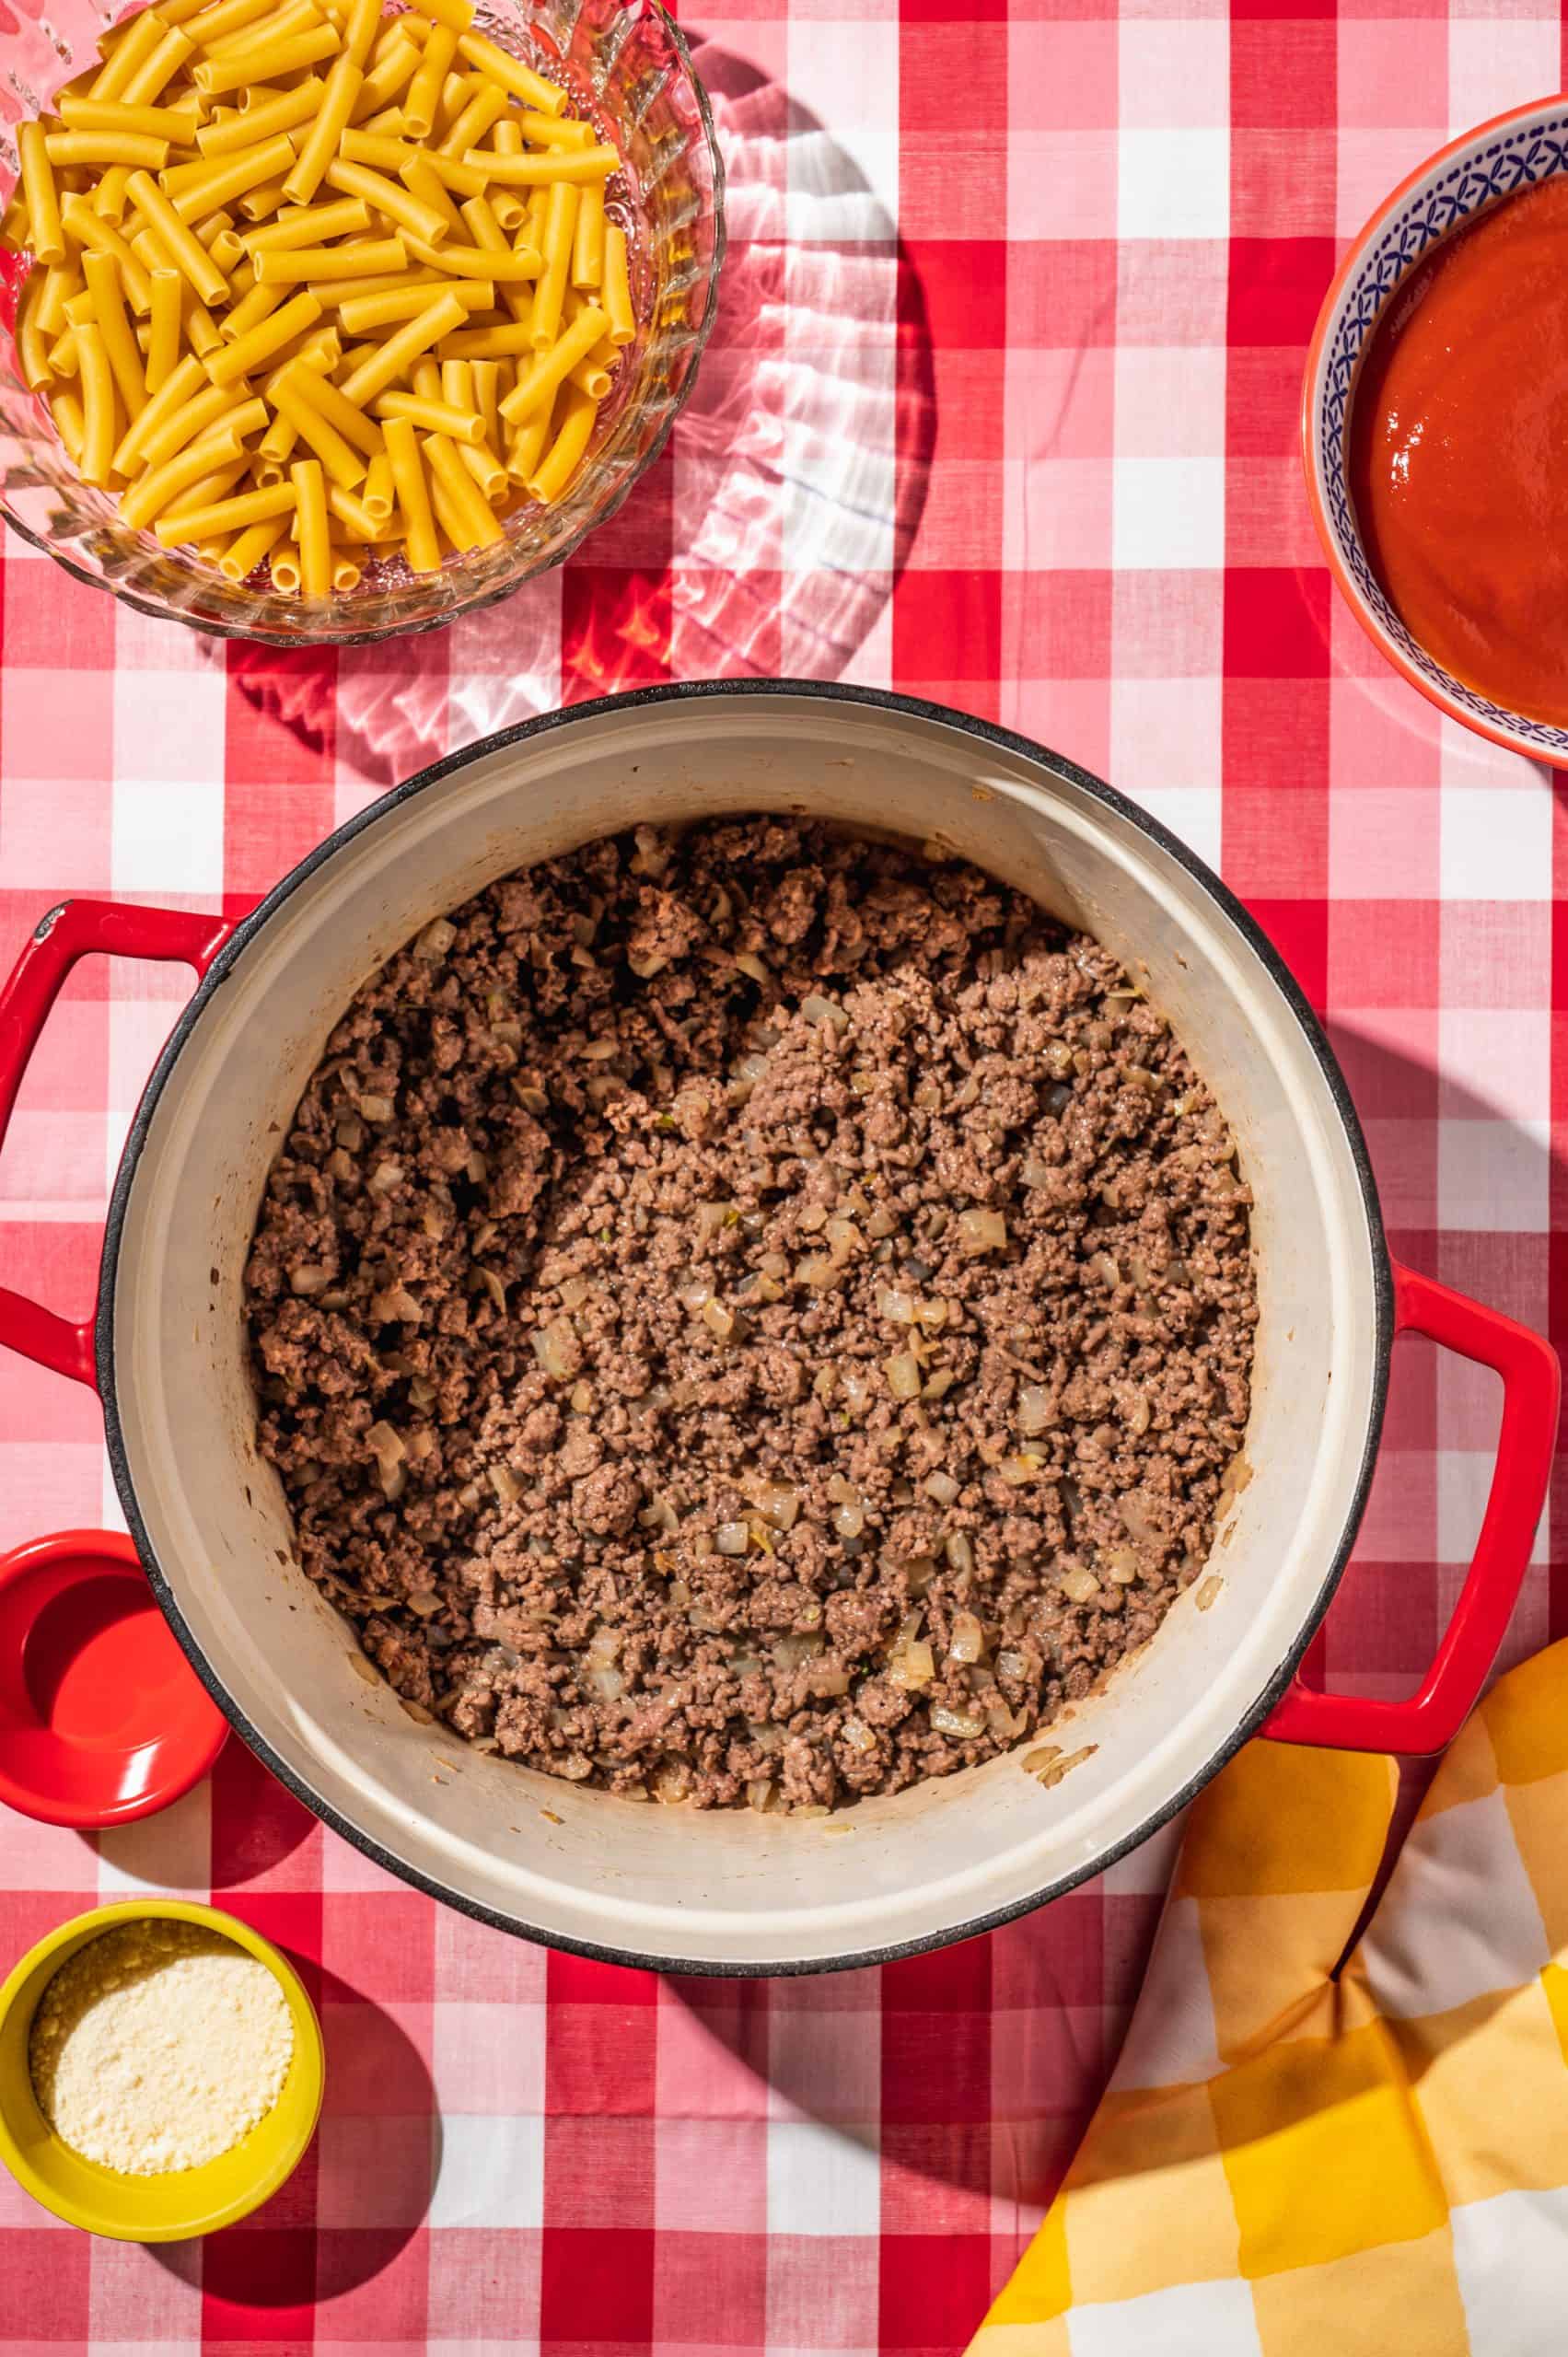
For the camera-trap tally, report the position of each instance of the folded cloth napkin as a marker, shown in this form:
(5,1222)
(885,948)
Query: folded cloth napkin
(1309,2154)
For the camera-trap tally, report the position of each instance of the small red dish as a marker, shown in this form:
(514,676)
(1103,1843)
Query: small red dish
(102,1719)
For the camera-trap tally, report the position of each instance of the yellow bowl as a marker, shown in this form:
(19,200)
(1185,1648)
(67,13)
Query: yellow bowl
(178,2202)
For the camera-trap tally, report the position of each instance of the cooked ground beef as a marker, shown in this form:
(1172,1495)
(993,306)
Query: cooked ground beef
(752,1316)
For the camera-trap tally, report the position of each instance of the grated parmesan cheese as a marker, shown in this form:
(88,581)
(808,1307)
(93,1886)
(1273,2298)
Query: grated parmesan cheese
(159,2046)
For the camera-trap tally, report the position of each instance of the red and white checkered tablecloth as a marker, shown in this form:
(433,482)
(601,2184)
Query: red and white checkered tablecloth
(1000,410)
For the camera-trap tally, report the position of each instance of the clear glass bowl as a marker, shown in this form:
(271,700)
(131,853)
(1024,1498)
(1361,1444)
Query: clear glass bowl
(628,67)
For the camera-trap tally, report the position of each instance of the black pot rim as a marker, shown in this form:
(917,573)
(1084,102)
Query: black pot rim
(689,692)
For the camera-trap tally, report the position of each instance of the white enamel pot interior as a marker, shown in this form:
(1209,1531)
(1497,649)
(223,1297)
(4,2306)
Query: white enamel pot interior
(728,1891)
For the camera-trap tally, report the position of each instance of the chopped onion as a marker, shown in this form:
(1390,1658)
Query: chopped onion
(1017,1471)
(761,1794)
(968,1641)
(856,1385)
(385,1442)
(882,1223)
(395,1302)
(647,967)
(964,1724)
(575,1291)
(1014,1665)
(306,1277)
(816,1271)
(350,1133)
(903,1373)
(340,1164)
(557,1349)
(912,1666)
(733,1537)
(377,1109)
(1135,1410)
(1078,1586)
(959,1552)
(858,1736)
(778,1504)
(435,940)
(918,1573)
(981,1231)
(532,1100)
(390,1479)
(494,1287)
(1122,1565)
(849,1521)
(672,1781)
(843,1238)
(1034,1172)
(1037,1412)
(1106,1270)
(939,1385)
(506,1484)
(930,1316)
(719,1321)
(1134,1512)
(942,1486)
(424,1605)
(897,1308)
(818,1009)
(747,963)
(795,1652)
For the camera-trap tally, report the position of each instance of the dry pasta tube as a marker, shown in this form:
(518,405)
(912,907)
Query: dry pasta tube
(343,84)
(617,295)
(520,80)
(245,552)
(66,411)
(421,546)
(556,470)
(382,366)
(225,514)
(466,500)
(341,459)
(487,470)
(543,381)
(118,343)
(588,241)
(47,235)
(312,225)
(176,124)
(351,422)
(265,340)
(559,223)
(155,492)
(353,514)
(312,532)
(98,407)
(379,492)
(284,111)
(298,267)
(431,416)
(362,313)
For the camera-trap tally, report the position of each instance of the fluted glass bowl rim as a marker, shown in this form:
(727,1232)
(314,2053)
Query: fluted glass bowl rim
(482,599)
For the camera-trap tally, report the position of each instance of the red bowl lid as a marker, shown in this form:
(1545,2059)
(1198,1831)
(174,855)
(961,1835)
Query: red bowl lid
(102,1719)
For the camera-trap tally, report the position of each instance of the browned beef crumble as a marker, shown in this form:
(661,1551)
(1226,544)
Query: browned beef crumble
(752,1316)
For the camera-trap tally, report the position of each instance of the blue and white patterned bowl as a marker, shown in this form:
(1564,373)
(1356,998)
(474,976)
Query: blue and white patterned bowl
(1512,152)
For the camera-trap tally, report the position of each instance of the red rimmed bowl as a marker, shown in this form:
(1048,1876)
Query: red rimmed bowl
(101,1719)
(1496,160)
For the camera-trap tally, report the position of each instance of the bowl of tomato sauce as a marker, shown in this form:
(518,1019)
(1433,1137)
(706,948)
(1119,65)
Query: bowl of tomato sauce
(1434,429)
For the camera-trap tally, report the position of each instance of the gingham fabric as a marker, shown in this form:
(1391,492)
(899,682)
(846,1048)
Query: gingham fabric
(1303,2150)
(1000,410)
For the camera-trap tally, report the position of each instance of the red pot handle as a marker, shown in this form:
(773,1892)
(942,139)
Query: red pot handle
(1531,1386)
(114,929)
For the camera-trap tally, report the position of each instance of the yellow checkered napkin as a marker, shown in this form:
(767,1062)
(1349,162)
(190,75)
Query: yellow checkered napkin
(1298,2161)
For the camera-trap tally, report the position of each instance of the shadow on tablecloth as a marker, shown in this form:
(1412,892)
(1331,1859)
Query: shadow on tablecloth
(768,540)
(376,2154)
